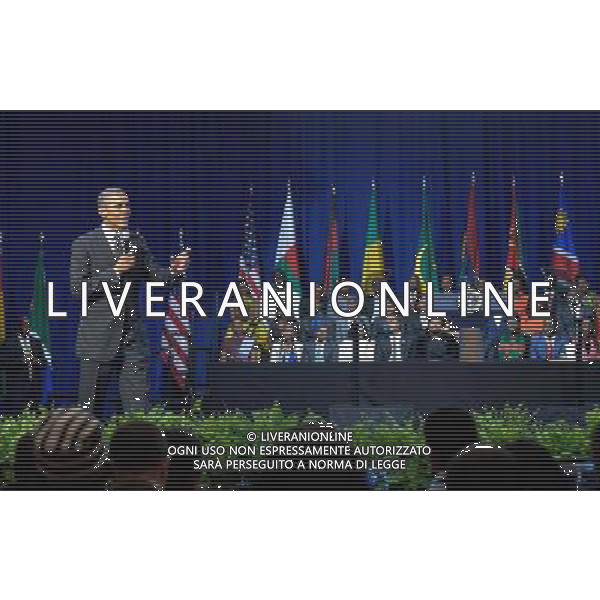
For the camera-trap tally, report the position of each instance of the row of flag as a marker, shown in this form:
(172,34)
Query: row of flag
(565,264)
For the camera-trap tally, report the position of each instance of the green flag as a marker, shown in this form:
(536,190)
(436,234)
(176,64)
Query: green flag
(38,316)
(373,268)
(425,265)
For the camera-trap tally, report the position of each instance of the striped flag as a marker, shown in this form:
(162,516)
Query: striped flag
(565,264)
(332,251)
(469,270)
(425,264)
(249,271)
(286,258)
(373,267)
(175,338)
(514,260)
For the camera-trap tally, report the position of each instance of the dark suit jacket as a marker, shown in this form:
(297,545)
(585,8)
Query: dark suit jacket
(92,260)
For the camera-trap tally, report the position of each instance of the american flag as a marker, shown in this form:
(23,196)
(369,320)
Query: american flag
(175,340)
(249,264)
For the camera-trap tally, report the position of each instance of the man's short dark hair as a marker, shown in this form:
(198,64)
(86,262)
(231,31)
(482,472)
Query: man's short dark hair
(111,192)
(483,468)
(137,446)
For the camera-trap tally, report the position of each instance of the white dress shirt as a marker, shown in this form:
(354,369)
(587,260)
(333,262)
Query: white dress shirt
(112,235)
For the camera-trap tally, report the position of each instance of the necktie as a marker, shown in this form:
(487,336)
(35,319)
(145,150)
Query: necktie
(549,349)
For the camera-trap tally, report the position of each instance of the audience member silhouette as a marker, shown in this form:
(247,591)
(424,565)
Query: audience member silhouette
(447,431)
(182,474)
(483,468)
(68,450)
(26,475)
(138,454)
(537,468)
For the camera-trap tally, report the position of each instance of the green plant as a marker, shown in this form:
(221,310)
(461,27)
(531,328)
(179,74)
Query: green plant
(499,426)
(496,425)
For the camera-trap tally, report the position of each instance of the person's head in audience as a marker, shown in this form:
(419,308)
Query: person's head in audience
(320,297)
(238,326)
(595,451)
(27,476)
(513,325)
(69,452)
(447,284)
(582,286)
(413,285)
(278,279)
(537,467)
(447,431)
(436,325)
(323,330)
(182,475)
(361,330)
(391,310)
(588,329)
(138,454)
(519,286)
(421,306)
(25,326)
(483,468)
(549,327)
(288,329)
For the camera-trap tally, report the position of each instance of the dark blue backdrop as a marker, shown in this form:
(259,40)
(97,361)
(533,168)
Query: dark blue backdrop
(193,170)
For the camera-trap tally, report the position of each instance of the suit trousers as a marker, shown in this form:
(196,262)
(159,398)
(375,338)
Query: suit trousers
(129,367)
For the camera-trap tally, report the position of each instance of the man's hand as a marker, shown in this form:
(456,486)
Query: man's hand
(124,263)
(179,263)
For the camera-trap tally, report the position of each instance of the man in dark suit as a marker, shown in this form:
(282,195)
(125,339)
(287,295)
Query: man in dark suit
(115,346)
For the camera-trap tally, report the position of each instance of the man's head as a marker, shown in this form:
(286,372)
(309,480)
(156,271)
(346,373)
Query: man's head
(549,326)
(518,285)
(288,329)
(323,330)
(69,451)
(587,327)
(138,453)
(113,208)
(582,285)
(483,468)
(512,324)
(238,326)
(436,324)
(447,283)
(447,431)
(278,278)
